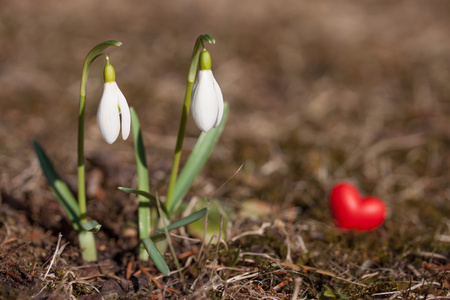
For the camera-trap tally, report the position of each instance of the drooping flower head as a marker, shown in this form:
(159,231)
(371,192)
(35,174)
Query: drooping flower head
(206,97)
(112,106)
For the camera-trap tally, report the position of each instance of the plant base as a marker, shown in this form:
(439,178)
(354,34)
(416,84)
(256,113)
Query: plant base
(87,246)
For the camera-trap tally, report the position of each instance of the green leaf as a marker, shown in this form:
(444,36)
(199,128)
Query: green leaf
(160,234)
(197,159)
(329,294)
(341,295)
(236,258)
(145,194)
(156,256)
(139,148)
(59,187)
(144,212)
(92,226)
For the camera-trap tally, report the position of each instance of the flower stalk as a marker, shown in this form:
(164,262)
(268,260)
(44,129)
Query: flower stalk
(198,46)
(86,238)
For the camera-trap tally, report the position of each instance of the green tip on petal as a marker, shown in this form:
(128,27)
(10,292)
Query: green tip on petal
(205,60)
(109,73)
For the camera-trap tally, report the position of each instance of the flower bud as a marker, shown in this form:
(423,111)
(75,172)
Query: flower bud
(113,111)
(206,97)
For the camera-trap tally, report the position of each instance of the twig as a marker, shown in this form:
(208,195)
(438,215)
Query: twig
(169,241)
(298,282)
(12,251)
(431,255)
(158,285)
(187,253)
(201,264)
(34,269)
(237,278)
(109,276)
(259,231)
(205,227)
(217,248)
(318,271)
(129,268)
(10,240)
(147,269)
(185,238)
(228,180)
(8,232)
(12,275)
(54,255)
(281,226)
(242,277)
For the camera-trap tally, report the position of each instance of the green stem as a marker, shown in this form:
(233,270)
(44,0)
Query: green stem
(184,115)
(179,145)
(87,242)
(81,171)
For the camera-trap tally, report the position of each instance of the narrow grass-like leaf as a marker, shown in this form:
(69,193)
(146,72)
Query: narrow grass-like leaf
(59,187)
(160,235)
(144,213)
(92,226)
(144,194)
(236,258)
(329,294)
(197,159)
(341,295)
(156,256)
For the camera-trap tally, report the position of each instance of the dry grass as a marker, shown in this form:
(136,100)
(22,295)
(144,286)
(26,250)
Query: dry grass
(319,93)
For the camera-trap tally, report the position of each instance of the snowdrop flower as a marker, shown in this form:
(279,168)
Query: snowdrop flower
(112,105)
(206,97)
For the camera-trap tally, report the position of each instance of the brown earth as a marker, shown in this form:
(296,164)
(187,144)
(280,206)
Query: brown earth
(319,93)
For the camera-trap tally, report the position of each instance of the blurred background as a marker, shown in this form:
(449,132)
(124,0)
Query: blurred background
(318,93)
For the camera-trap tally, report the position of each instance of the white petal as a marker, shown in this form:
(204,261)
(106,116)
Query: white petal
(108,120)
(205,108)
(219,98)
(124,111)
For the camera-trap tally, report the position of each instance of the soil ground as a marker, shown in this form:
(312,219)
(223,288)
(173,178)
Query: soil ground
(319,93)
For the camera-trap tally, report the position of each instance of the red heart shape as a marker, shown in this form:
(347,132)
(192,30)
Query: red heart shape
(353,212)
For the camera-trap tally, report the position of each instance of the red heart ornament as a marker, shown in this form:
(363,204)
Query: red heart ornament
(353,212)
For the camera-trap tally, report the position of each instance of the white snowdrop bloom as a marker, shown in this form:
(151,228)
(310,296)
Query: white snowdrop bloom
(112,105)
(206,97)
